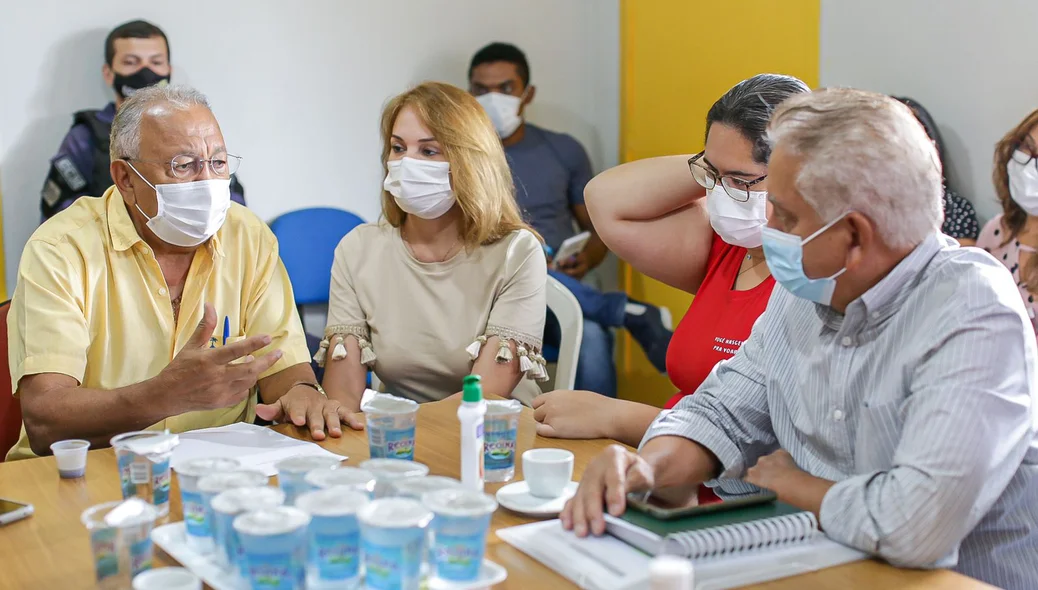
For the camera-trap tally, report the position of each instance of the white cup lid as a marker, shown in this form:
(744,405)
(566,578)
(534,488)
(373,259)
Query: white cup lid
(459,502)
(228,480)
(241,500)
(395,468)
(395,513)
(206,465)
(305,464)
(418,486)
(271,521)
(341,476)
(383,403)
(167,578)
(335,501)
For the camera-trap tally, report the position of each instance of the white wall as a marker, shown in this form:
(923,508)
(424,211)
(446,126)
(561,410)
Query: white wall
(973,65)
(297,86)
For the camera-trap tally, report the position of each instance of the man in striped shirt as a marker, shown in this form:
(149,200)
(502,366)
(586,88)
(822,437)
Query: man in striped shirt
(893,395)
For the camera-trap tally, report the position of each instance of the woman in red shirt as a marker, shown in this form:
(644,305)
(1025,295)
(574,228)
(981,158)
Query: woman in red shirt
(693,223)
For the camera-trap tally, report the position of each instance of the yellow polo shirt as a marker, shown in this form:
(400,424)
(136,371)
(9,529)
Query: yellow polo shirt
(91,303)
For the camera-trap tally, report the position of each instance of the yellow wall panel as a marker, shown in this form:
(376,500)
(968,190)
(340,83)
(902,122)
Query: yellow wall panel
(677,58)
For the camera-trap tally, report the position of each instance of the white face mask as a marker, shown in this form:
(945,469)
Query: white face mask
(1023,182)
(738,224)
(503,110)
(421,187)
(189,213)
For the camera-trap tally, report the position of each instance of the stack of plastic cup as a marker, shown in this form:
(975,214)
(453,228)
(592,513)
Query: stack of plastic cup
(459,533)
(292,474)
(500,429)
(215,484)
(393,533)
(390,422)
(199,529)
(227,506)
(120,539)
(274,547)
(388,471)
(334,556)
(361,480)
(143,459)
(71,456)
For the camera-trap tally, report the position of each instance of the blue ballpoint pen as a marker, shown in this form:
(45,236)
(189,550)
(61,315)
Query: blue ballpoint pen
(226,329)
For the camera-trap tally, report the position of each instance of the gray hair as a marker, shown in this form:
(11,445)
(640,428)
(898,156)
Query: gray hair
(863,152)
(126,128)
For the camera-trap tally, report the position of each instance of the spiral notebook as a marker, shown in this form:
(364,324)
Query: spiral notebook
(729,550)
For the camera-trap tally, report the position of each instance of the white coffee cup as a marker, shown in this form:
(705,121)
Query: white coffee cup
(547,471)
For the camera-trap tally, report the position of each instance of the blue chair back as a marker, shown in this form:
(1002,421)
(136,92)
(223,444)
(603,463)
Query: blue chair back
(307,239)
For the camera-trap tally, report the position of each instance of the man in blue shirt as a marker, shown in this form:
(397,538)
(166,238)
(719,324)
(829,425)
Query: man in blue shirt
(136,56)
(550,171)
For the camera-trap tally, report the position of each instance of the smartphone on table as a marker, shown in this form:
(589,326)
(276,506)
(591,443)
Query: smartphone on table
(11,511)
(663,510)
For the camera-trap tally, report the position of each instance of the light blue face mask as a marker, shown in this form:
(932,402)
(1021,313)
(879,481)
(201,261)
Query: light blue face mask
(785,256)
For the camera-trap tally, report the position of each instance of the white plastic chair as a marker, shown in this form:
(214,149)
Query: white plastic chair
(564,305)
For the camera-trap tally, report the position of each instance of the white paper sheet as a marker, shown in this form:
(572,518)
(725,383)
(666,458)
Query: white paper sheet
(255,446)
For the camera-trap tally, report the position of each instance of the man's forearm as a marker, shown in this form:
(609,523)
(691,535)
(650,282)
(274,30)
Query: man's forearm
(679,463)
(93,414)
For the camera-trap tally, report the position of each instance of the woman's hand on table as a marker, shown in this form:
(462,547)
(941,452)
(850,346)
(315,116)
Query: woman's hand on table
(566,413)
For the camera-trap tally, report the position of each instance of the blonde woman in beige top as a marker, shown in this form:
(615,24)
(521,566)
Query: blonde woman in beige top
(452,281)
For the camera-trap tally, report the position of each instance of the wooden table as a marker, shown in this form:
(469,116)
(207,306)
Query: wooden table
(51,549)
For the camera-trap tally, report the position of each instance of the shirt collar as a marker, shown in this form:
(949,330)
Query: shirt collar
(107,114)
(124,235)
(885,297)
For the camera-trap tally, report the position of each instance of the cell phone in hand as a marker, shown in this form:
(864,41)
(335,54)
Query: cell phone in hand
(663,510)
(571,247)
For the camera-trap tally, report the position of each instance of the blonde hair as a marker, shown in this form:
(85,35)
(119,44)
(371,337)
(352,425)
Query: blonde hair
(1013,216)
(480,176)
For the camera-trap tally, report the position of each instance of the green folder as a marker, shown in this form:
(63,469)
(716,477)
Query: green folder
(708,519)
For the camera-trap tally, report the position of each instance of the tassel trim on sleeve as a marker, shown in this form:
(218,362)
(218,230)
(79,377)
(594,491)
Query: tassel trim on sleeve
(531,363)
(335,339)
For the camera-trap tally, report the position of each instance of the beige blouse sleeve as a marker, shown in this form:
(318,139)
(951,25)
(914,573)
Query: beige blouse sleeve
(518,311)
(345,316)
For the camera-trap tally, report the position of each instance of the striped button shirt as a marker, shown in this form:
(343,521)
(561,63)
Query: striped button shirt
(919,402)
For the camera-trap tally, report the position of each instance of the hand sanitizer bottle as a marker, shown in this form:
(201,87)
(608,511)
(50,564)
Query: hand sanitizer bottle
(471,414)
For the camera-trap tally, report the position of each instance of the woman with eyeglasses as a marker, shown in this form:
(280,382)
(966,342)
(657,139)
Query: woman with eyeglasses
(1012,237)
(693,223)
(452,281)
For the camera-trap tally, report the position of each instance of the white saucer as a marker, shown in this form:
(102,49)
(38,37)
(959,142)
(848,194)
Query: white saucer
(489,575)
(517,498)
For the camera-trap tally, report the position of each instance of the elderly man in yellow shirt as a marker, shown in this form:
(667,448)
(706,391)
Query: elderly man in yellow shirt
(118,319)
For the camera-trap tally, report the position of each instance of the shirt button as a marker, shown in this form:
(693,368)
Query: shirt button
(838,415)
(847,341)
(162,291)
(875,315)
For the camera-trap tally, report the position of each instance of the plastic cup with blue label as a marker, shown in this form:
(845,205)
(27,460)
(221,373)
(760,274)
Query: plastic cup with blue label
(334,554)
(274,543)
(143,460)
(500,429)
(392,534)
(390,422)
(416,487)
(120,540)
(389,471)
(211,486)
(292,474)
(227,506)
(459,533)
(196,522)
(354,478)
